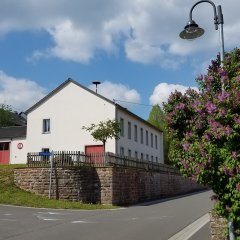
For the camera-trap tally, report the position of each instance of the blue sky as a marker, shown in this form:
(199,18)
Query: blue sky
(131,47)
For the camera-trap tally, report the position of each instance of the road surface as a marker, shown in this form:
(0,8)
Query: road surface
(156,221)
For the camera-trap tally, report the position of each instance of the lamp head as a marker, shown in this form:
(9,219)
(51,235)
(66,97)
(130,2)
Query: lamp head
(191,31)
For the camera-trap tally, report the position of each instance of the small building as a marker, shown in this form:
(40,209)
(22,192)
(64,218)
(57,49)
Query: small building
(13,148)
(55,124)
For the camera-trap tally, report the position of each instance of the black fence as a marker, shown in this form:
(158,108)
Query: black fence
(78,159)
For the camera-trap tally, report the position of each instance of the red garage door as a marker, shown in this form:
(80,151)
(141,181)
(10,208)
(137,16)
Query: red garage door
(4,152)
(94,153)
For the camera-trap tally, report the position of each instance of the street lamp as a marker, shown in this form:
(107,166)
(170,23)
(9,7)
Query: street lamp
(192,30)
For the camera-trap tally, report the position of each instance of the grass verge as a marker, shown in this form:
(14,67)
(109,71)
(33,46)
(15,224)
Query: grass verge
(10,194)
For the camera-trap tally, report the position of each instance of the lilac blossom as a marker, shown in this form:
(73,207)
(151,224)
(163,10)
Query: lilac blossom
(234,155)
(222,112)
(238,79)
(206,137)
(238,187)
(188,134)
(200,77)
(197,105)
(180,106)
(211,108)
(228,131)
(223,96)
(222,72)
(214,125)
(209,78)
(186,146)
(237,120)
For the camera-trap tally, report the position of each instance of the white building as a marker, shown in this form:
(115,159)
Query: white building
(55,124)
(13,148)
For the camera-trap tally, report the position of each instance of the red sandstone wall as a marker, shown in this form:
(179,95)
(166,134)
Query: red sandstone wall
(106,185)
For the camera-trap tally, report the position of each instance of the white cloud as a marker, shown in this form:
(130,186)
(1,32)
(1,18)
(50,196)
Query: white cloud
(141,52)
(118,92)
(19,93)
(149,29)
(163,90)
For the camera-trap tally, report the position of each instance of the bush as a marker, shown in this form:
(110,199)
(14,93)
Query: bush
(204,128)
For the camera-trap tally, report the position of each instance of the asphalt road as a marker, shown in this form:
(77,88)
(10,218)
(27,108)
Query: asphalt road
(155,221)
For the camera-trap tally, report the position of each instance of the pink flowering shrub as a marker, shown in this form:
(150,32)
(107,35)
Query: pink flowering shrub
(204,129)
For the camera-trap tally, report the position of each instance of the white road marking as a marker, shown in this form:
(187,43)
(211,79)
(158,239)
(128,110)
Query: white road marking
(81,221)
(51,219)
(7,219)
(52,213)
(8,214)
(191,229)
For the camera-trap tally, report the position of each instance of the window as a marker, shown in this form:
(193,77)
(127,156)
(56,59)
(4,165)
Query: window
(122,127)
(151,140)
(46,125)
(121,151)
(45,150)
(129,153)
(152,158)
(135,133)
(141,135)
(141,156)
(156,159)
(147,137)
(4,146)
(147,157)
(156,142)
(129,130)
(136,155)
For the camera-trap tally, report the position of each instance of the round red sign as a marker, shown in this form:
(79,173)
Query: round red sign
(20,146)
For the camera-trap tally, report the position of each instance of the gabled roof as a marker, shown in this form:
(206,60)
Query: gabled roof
(18,119)
(59,88)
(13,132)
(68,81)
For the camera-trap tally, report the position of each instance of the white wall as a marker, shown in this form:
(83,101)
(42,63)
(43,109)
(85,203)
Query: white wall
(18,156)
(138,146)
(68,110)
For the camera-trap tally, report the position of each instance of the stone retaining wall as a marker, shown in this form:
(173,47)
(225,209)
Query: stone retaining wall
(106,185)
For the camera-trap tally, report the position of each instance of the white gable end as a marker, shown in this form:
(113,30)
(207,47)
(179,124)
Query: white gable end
(66,112)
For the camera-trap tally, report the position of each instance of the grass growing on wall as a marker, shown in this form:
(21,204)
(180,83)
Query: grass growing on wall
(10,194)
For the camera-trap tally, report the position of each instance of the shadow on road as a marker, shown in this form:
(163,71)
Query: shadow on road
(169,199)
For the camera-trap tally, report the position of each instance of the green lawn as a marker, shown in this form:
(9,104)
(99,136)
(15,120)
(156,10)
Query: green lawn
(10,194)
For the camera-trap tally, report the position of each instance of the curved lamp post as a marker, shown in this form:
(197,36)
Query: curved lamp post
(192,30)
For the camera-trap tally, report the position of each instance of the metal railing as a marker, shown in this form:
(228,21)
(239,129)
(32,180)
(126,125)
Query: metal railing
(77,159)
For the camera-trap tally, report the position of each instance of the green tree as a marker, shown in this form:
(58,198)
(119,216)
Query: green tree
(104,130)
(157,118)
(6,116)
(204,129)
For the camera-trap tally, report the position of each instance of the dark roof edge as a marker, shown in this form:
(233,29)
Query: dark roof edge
(60,87)
(137,117)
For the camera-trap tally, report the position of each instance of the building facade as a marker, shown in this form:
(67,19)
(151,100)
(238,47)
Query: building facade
(13,145)
(55,124)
